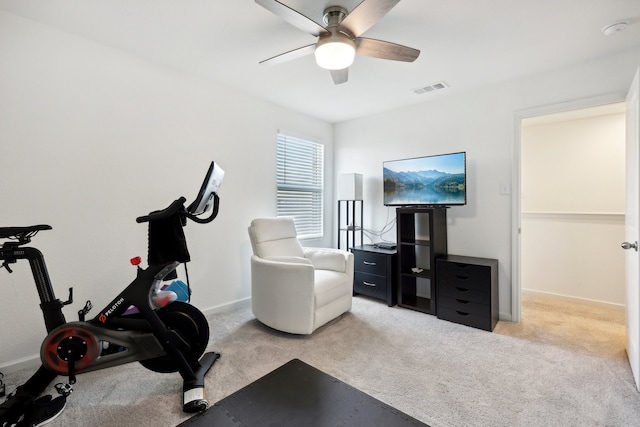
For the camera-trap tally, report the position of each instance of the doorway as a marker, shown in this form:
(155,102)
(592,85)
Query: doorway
(570,205)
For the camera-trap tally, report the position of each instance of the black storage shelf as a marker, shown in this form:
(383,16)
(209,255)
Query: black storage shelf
(416,303)
(418,242)
(422,233)
(425,274)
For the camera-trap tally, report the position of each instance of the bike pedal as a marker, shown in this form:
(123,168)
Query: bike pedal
(64,389)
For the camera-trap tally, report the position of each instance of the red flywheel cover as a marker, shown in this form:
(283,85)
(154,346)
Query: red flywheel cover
(69,342)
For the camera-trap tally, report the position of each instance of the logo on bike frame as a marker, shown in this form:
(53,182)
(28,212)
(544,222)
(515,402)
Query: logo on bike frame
(104,316)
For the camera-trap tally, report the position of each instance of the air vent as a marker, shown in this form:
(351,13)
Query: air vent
(430,88)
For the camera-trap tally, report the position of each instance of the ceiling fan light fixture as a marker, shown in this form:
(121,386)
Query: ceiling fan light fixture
(335,52)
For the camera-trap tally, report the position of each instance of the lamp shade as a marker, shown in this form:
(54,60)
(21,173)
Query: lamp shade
(350,186)
(335,52)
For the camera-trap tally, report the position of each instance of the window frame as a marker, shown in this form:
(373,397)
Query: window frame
(300,183)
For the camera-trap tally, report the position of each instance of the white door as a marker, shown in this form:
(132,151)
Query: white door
(632,259)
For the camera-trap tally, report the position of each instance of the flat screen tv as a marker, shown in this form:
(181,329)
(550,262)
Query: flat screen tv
(439,180)
(209,187)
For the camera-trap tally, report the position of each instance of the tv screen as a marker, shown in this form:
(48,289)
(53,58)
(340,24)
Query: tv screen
(210,185)
(426,181)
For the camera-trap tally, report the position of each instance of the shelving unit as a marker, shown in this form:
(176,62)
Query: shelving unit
(347,223)
(422,238)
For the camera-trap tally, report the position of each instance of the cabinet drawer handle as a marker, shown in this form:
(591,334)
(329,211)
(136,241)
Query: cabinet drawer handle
(368,284)
(461,289)
(368,263)
(462,313)
(461,301)
(462,277)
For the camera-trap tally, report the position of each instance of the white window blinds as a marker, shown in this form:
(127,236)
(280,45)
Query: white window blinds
(300,183)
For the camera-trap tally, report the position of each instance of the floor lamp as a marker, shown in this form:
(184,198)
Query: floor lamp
(350,193)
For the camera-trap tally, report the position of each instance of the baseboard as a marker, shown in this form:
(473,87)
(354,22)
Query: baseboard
(33,362)
(29,362)
(572,298)
(226,307)
(504,317)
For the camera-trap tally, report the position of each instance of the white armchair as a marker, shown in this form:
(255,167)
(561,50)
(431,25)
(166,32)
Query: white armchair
(296,289)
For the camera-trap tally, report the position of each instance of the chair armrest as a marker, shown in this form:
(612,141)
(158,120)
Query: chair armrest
(283,280)
(330,259)
(288,260)
(282,293)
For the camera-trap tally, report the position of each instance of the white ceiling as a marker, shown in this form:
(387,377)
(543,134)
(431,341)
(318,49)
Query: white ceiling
(465,43)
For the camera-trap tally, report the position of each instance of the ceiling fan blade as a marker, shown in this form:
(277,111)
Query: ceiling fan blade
(293,17)
(292,54)
(340,76)
(366,14)
(385,50)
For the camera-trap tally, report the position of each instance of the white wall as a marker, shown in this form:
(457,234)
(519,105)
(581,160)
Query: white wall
(574,165)
(481,122)
(573,202)
(91,138)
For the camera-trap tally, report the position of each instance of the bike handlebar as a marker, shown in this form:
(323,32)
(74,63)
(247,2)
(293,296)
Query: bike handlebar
(178,206)
(164,213)
(214,212)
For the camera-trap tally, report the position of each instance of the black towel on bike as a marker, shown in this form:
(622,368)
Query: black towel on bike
(167,242)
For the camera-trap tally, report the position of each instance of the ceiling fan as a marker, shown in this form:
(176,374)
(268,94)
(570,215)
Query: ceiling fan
(339,38)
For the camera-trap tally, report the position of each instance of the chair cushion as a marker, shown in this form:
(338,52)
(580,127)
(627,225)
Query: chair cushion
(275,237)
(330,286)
(326,259)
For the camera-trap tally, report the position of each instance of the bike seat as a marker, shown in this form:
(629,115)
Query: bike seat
(18,232)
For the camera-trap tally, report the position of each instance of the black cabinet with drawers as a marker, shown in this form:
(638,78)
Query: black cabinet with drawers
(467,291)
(374,273)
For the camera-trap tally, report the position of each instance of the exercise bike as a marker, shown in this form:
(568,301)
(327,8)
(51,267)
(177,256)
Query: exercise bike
(144,323)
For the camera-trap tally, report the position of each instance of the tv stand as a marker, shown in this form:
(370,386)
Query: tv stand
(424,207)
(422,238)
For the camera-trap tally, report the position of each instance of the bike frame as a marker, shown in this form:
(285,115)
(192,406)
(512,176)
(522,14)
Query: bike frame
(51,306)
(144,335)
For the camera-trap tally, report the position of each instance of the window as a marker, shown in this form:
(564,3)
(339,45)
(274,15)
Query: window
(300,184)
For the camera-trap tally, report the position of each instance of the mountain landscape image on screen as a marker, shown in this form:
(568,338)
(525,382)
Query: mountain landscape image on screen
(424,187)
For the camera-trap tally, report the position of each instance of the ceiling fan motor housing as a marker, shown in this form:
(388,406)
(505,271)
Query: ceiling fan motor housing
(334,15)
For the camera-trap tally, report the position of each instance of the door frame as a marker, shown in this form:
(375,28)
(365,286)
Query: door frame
(516,177)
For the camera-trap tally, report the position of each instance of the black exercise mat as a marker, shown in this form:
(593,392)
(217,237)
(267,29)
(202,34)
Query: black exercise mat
(297,395)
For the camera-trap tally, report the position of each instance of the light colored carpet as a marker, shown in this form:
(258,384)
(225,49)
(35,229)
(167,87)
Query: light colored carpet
(563,365)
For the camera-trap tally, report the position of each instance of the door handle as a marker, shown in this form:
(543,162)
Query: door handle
(627,245)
